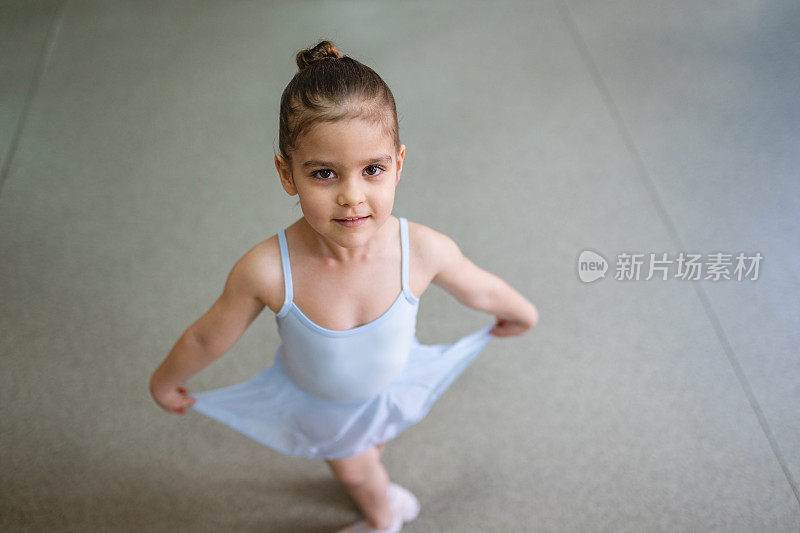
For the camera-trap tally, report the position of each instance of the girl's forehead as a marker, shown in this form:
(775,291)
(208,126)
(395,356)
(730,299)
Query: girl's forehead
(347,127)
(353,136)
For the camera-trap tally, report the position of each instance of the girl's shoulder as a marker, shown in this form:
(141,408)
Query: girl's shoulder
(431,249)
(265,272)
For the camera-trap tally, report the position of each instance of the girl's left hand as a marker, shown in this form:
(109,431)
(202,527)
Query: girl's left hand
(509,328)
(171,398)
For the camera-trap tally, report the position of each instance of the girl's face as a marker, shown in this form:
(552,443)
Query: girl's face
(341,170)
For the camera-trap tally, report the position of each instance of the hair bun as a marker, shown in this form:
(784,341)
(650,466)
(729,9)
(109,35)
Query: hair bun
(324,50)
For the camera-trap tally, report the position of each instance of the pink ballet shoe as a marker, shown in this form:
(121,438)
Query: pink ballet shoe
(405,508)
(403,502)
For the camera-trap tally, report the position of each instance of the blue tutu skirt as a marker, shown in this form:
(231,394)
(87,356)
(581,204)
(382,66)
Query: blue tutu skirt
(271,409)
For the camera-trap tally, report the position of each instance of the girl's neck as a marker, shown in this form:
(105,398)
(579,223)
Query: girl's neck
(329,251)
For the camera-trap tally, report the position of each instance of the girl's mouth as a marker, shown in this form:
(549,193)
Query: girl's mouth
(351,223)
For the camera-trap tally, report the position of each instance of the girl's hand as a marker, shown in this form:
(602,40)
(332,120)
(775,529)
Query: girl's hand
(171,398)
(509,328)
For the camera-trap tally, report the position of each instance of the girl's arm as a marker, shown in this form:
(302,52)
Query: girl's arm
(479,289)
(212,335)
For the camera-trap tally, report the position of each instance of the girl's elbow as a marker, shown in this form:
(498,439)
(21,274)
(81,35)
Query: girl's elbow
(533,320)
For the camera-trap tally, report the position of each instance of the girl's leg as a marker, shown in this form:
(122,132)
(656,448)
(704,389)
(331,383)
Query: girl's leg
(367,482)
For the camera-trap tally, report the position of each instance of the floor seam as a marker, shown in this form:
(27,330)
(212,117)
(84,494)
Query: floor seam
(646,180)
(44,57)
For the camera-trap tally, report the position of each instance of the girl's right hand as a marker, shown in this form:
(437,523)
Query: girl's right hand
(171,398)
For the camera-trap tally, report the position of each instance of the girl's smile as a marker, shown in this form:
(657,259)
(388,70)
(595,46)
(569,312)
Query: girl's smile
(352,222)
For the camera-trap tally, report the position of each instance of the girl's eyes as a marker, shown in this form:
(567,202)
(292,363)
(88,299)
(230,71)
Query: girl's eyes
(324,170)
(326,173)
(376,167)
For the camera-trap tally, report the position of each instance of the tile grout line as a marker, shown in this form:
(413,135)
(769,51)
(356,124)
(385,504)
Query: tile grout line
(644,176)
(44,56)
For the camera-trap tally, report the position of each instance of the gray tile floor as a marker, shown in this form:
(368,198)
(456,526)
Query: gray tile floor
(136,142)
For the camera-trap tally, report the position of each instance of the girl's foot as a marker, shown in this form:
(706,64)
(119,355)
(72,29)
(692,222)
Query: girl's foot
(405,508)
(404,503)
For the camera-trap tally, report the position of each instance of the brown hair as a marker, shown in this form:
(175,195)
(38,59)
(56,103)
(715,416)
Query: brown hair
(330,87)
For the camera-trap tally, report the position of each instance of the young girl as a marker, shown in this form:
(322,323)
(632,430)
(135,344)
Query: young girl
(344,282)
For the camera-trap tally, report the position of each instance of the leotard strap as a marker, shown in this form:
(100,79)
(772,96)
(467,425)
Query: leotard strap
(405,252)
(287,274)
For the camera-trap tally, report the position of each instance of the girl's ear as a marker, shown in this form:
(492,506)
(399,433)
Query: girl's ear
(401,154)
(285,174)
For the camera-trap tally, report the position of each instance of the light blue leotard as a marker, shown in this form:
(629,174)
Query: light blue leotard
(334,393)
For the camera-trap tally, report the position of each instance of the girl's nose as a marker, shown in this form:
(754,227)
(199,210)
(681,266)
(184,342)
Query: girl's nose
(350,192)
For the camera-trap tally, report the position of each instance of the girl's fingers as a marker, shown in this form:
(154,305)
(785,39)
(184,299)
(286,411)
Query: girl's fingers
(506,329)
